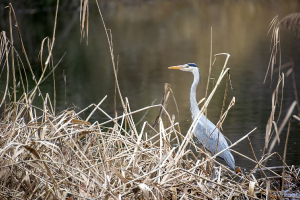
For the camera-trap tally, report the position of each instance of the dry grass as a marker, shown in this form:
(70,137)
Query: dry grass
(44,155)
(291,22)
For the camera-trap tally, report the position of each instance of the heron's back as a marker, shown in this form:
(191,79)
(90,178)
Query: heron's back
(202,131)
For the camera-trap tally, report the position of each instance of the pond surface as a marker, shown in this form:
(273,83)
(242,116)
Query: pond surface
(150,37)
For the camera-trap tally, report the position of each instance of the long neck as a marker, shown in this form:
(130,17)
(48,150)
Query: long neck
(193,102)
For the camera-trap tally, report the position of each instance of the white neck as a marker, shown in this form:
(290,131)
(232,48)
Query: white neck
(193,101)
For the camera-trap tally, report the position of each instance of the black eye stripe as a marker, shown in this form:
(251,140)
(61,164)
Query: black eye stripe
(192,65)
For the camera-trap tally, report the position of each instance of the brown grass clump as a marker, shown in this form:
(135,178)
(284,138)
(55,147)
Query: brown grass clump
(54,157)
(63,156)
(44,155)
(291,22)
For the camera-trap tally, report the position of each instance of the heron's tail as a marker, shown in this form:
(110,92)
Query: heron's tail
(229,159)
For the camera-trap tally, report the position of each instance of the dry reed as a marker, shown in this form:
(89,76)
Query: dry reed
(291,22)
(44,155)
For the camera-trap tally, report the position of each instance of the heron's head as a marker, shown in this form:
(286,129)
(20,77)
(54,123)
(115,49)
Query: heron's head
(190,67)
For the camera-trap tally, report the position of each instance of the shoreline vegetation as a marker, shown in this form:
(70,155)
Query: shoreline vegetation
(49,155)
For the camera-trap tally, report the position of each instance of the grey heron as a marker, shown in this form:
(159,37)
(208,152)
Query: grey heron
(204,126)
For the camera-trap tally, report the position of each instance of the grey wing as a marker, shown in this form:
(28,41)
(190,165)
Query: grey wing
(201,133)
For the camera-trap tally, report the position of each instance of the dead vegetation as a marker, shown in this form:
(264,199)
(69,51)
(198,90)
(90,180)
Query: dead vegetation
(291,22)
(44,155)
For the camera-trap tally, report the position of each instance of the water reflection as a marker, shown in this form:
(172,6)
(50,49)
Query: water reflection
(150,37)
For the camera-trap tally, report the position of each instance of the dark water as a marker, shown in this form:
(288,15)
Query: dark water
(151,36)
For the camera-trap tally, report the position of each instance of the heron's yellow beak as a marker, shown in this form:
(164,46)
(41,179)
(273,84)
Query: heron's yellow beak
(176,67)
